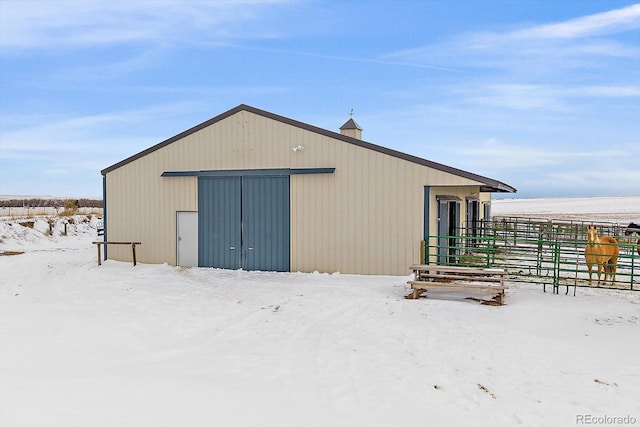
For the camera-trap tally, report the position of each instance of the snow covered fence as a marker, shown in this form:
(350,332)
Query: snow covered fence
(26,212)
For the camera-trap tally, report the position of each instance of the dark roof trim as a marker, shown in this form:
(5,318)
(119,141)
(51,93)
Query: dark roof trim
(490,184)
(251,172)
(498,187)
(452,198)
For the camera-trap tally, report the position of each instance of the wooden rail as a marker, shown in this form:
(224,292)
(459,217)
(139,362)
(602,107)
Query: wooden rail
(133,249)
(444,277)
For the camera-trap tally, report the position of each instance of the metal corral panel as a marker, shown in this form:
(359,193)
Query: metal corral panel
(219,222)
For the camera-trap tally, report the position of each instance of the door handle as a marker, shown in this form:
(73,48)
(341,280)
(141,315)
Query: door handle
(233,248)
(250,249)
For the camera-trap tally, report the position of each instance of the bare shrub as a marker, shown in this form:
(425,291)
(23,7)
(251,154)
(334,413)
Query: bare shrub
(70,208)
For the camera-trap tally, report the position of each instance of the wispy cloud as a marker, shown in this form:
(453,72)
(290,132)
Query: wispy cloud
(94,136)
(501,155)
(540,96)
(545,68)
(37,24)
(541,48)
(534,169)
(375,60)
(514,96)
(588,26)
(575,181)
(605,91)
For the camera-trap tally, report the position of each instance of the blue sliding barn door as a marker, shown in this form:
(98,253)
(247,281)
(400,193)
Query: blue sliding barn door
(265,223)
(244,222)
(219,226)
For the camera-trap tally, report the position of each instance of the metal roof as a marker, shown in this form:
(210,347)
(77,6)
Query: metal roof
(350,124)
(490,185)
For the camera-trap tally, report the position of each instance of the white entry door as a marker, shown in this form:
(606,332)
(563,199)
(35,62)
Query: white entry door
(187,239)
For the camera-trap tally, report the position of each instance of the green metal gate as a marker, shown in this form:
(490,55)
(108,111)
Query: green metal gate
(538,252)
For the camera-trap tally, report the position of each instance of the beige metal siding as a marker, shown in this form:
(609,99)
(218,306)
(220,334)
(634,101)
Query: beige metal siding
(366,218)
(144,210)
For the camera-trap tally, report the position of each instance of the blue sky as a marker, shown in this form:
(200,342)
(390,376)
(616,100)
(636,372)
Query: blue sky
(542,95)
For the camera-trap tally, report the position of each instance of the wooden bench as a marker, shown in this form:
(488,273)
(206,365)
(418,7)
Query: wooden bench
(447,277)
(133,248)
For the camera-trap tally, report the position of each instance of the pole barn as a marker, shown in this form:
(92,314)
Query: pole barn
(249,189)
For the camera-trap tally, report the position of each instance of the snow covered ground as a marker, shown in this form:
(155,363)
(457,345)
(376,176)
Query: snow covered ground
(620,210)
(155,345)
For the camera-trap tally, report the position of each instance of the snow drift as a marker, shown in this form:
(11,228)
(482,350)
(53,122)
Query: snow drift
(155,345)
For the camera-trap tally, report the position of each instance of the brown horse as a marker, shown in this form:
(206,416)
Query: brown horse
(603,251)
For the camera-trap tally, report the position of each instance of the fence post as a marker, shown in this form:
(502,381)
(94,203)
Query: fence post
(556,265)
(487,254)
(494,243)
(133,250)
(540,244)
(99,258)
(633,260)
